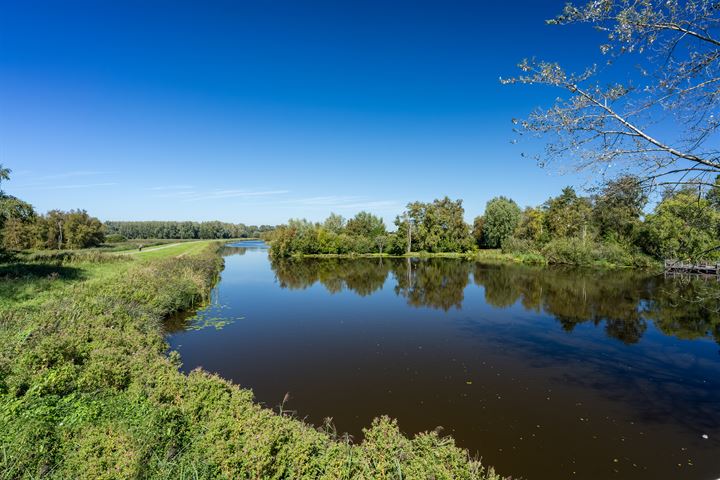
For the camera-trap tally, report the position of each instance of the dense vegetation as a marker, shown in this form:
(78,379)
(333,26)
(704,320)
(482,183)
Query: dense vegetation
(87,389)
(609,227)
(184,230)
(22,228)
(432,227)
(55,230)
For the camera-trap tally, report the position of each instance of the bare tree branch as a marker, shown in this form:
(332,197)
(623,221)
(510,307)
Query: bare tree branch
(661,123)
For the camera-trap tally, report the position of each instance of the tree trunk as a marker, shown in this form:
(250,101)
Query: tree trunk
(409,244)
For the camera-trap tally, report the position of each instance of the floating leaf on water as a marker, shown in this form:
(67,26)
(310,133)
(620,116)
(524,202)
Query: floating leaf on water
(202,321)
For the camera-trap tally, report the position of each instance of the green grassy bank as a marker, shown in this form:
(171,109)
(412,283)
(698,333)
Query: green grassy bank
(87,389)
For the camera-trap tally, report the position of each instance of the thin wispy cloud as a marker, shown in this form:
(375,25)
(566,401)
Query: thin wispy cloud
(340,202)
(175,194)
(85,185)
(171,187)
(43,186)
(218,194)
(76,173)
(327,200)
(376,205)
(54,181)
(184,193)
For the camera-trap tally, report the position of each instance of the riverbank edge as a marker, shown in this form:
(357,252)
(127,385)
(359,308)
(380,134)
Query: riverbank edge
(494,256)
(88,390)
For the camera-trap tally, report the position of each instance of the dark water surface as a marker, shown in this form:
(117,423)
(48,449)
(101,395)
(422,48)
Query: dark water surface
(545,373)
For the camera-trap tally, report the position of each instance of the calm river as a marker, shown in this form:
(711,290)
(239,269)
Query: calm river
(545,373)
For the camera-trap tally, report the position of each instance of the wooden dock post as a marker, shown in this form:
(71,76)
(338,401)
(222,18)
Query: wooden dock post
(701,268)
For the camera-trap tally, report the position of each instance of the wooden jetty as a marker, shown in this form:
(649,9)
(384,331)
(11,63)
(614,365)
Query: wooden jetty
(701,268)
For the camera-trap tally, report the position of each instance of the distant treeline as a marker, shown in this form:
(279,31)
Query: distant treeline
(184,230)
(608,227)
(22,228)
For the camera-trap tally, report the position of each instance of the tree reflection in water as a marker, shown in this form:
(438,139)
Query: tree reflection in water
(624,301)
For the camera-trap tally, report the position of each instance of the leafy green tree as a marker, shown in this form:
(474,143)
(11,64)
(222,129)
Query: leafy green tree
(334,223)
(327,241)
(16,220)
(304,235)
(531,225)
(281,241)
(12,207)
(16,235)
(365,224)
(381,241)
(682,226)
(618,207)
(502,216)
(407,235)
(297,237)
(81,230)
(65,230)
(15,215)
(568,215)
(49,230)
(435,227)
(477,230)
(365,233)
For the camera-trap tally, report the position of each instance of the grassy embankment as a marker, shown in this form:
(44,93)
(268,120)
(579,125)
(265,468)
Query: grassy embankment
(87,389)
(128,245)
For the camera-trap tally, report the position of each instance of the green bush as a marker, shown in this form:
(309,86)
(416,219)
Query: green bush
(576,251)
(684,227)
(115,238)
(514,245)
(570,251)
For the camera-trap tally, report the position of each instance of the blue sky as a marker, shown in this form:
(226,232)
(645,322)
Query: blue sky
(258,111)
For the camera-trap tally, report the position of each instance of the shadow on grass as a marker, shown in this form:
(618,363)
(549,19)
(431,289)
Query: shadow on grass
(21,282)
(29,271)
